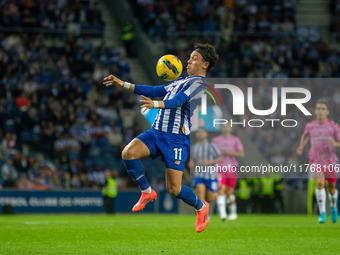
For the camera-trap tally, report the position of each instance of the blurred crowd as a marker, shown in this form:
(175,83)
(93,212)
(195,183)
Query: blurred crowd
(162,19)
(58,125)
(55,14)
(259,42)
(335,22)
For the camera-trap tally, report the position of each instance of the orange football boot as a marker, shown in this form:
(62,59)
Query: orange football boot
(202,218)
(145,198)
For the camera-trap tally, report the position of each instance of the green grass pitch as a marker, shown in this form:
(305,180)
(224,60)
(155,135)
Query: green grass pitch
(166,234)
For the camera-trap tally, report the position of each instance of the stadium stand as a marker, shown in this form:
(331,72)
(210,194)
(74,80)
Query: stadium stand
(58,125)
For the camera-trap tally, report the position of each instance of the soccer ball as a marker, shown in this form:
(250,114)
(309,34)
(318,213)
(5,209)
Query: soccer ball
(169,67)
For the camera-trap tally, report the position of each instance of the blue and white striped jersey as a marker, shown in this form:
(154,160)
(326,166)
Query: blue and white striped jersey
(177,121)
(207,151)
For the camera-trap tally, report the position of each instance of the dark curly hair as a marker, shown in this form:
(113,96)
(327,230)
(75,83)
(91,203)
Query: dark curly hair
(208,53)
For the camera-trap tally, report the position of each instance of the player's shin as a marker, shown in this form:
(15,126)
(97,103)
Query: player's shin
(222,206)
(232,204)
(189,197)
(321,199)
(136,171)
(333,198)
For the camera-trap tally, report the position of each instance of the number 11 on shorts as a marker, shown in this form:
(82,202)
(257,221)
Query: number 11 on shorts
(178,153)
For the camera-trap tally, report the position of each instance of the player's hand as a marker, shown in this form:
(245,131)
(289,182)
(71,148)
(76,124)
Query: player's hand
(227,152)
(205,162)
(332,142)
(147,103)
(113,80)
(299,150)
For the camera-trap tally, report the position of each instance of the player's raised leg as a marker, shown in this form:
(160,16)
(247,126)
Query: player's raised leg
(174,185)
(333,198)
(320,194)
(131,156)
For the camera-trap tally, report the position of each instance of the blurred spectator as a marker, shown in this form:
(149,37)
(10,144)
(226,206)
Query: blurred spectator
(24,183)
(128,36)
(109,190)
(20,162)
(9,174)
(8,146)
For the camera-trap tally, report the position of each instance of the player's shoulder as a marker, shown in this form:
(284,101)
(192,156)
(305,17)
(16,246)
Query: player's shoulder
(175,82)
(212,143)
(234,137)
(333,123)
(312,123)
(216,139)
(195,79)
(195,144)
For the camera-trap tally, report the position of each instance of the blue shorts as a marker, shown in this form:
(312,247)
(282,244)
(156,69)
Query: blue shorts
(212,184)
(173,148)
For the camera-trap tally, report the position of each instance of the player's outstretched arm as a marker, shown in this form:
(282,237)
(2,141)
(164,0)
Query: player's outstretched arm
(149,103)
(173,103)
(113,80)
(150,91)
(212,162)
(239,154)
(303,141)
(334,143)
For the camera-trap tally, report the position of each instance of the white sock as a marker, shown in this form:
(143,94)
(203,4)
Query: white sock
(321,199)
(148,190)
(333,199)
(231,199)
(221,206)
(233,209)
(201,208)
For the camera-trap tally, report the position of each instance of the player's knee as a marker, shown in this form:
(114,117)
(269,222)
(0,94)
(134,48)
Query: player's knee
(127,153)
(173,189)
(320,184)
(331,188)
(211,198)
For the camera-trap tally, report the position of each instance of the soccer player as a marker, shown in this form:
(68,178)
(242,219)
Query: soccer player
(231,147)
(169,134)
(325,136)
(205,155)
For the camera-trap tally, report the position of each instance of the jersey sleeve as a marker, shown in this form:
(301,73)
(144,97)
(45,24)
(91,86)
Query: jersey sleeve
(238,144)
(176,101)
(193,152)
(336,132)
(307,130)
(193,89)
(150,91)
(215,141)
(214,150)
